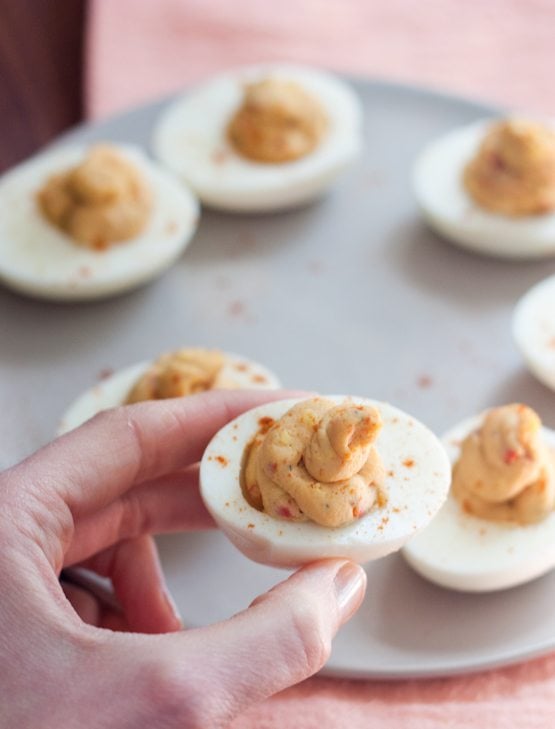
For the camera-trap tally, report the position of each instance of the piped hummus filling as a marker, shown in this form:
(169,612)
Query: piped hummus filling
(278,121)
(316,463)
(513,172)
(178,374)
(103,200)
(505,472)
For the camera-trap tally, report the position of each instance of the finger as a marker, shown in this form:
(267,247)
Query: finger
(167,504)
(84,604)
(139,586)
(93,610)
(283,638)
(94,464)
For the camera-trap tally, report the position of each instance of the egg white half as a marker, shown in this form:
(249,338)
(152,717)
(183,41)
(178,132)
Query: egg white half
(534,330)
(38,259)
(449,209)
(414,492)
(466,553)
(190,138)
(112,391)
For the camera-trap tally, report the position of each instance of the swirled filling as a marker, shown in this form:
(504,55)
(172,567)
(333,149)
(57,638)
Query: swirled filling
(317,463)
(513,172)
(178,374)
(278,121)
(103,200)
(505,472)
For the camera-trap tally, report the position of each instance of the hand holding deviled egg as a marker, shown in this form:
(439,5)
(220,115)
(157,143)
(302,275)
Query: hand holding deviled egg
(298,480)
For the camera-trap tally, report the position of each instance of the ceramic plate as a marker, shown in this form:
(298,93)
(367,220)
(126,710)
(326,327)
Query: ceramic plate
(351,294)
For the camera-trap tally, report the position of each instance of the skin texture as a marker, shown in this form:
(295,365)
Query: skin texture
(93,498)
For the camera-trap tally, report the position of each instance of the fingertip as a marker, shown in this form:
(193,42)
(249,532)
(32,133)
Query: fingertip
(350,587)
(175,621)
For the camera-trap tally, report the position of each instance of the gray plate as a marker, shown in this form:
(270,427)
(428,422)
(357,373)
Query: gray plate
(352,294)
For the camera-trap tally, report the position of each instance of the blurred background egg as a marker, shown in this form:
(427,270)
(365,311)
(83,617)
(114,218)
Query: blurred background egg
(237,372)
(534,330)
(449,209)
(462,552)
(191,139)
(39,259)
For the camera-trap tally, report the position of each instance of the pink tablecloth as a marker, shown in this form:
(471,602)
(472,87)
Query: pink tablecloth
(502,50)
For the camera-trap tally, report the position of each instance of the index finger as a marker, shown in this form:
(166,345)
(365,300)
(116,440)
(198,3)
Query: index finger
(94,464)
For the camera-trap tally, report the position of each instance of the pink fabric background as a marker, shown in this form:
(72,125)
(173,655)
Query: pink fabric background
(501,50)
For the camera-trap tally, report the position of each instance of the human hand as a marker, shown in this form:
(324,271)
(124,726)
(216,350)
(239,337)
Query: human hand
(93,498)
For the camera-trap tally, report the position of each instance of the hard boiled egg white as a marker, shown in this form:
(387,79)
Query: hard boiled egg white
(462,552)
(190,138)
(418,477)
(449,209)
(37,258)
(113,390)
(534,330)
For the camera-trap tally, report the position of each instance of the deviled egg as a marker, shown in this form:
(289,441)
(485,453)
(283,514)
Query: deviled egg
(490,187)
(534,330)
(81,223)
(303,479)
(176,374)
(497,527)
(261,138)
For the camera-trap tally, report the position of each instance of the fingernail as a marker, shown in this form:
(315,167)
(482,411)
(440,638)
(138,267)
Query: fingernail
(173,607)
(349,583)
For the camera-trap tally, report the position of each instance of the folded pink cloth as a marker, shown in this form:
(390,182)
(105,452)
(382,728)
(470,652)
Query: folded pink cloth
(501,50)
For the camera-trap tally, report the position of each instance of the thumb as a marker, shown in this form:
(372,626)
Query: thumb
(212,674)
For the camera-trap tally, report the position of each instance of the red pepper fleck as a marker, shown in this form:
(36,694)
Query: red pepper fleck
(259,378)
(222,460)
(284,512)
(265,424)
(497,162)
(236,308)
(105,373)
(100,244)
(510,456)
(424,381)
(220,156)
(408,462)
(250,526)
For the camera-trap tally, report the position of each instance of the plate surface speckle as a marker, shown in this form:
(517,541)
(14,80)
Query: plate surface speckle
(352,294)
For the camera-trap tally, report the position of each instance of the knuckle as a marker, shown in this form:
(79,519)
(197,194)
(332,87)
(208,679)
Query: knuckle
(131,519)
(313,641)
(174,698)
